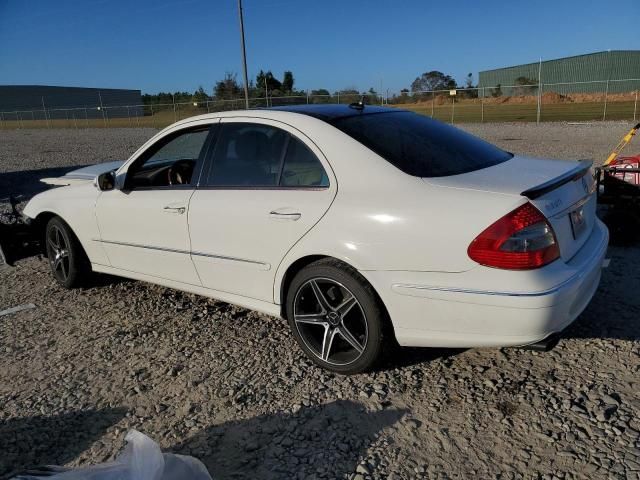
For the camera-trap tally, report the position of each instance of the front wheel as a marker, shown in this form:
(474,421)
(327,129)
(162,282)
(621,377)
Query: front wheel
(336,317)
(68,261)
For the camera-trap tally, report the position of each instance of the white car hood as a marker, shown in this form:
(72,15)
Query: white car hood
(84,174)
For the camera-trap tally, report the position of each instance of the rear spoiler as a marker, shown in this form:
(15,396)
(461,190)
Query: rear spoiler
(575,173)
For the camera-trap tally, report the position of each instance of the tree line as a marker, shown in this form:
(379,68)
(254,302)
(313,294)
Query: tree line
(266,84)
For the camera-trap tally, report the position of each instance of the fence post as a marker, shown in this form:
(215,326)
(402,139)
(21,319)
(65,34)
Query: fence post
(20,119)
(44,109)
(307,96)
(433,102)
(86,117)
(1,120)
(539,112)
(153,120)
(453,109)
(104,117)
(606,95)
(175,119)
(482,107)
(635,106)
(338,97)
(539,91)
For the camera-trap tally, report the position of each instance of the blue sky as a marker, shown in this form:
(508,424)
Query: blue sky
(168,45)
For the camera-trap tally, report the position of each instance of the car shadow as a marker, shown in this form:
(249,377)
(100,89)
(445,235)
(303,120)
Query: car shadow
(26,183)
(29,442)
(326,441)
(402,357)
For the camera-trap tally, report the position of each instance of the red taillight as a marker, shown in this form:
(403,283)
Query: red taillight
(523,239)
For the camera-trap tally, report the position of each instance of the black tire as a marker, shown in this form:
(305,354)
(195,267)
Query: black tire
(68,261)
(337,280)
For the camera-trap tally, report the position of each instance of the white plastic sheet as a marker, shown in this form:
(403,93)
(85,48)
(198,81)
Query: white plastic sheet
(141,460)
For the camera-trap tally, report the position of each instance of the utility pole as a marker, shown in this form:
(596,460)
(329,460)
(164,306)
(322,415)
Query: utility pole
(244,56)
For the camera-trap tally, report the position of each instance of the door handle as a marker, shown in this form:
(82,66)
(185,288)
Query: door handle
(293,216)
(178,210)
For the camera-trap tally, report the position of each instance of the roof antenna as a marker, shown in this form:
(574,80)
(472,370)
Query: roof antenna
(358,105)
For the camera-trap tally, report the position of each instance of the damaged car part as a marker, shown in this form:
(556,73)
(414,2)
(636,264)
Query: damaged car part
(18,236)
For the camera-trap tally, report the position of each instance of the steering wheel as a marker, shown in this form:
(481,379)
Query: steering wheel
(180,172)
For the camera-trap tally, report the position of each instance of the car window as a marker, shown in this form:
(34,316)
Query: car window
(185,146)
(301,167)
(421,146)
(247,154)
(169,162)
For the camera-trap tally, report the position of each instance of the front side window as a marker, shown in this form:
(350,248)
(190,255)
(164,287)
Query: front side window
(255,155)
(420,146)
(169,162)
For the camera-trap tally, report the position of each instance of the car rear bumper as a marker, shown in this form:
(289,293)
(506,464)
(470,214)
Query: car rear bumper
(487,307)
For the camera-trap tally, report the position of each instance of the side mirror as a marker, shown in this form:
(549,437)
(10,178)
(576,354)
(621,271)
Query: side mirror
(106,181)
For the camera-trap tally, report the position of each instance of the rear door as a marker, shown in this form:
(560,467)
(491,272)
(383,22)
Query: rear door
(265,186)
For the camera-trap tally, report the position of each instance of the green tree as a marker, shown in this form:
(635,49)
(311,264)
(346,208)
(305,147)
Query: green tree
(228,88)
(200,96)
(287,82)
(433,80)
(468,82)
(321,95)
(348,95)
(265,81)
(470,90)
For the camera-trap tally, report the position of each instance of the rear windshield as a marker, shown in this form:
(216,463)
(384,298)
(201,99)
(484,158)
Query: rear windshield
(420,146)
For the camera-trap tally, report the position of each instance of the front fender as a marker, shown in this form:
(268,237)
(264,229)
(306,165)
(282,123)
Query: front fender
(75,204)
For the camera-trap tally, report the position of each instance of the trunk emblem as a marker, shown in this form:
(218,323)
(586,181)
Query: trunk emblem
(553,205)
(585,185)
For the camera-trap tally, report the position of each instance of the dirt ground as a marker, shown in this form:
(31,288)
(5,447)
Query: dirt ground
(531,99)
(230,387)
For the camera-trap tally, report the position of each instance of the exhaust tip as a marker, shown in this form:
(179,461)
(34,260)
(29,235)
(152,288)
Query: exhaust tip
(544,345)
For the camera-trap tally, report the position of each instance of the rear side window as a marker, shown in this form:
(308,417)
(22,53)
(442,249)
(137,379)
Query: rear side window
(256,155)
(301,167)
(247,154)
(420,146)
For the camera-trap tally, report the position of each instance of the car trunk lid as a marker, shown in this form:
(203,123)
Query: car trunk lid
(564,191)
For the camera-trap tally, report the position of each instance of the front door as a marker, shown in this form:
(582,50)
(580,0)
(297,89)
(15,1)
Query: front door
(143,226)
(264,189)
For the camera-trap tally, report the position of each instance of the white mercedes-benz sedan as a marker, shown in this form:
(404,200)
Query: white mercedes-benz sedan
(359,225)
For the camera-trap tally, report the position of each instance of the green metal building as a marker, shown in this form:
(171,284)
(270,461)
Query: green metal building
(614,71)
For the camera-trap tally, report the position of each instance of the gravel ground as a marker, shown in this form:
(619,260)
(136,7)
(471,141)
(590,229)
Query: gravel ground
(230,387)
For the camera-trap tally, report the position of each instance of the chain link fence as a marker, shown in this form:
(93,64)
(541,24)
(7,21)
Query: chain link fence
(606,100)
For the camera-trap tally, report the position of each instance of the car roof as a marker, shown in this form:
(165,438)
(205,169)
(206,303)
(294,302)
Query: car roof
(329,112)
(326,113)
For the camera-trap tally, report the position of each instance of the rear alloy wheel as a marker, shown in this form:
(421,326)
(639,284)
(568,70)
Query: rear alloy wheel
(335,317)
(68,262)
